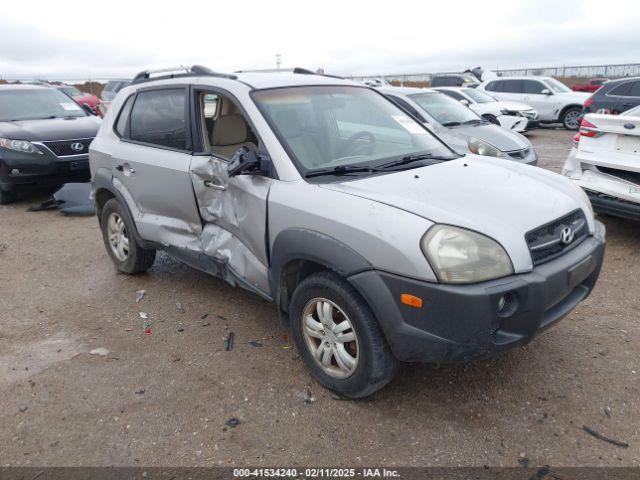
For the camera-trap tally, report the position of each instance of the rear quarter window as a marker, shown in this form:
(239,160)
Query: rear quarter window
(158,117)
(620,90)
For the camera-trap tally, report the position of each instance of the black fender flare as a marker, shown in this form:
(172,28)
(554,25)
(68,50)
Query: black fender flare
(305,244)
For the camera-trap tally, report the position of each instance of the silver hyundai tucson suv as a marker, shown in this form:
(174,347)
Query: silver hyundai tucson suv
(375,240)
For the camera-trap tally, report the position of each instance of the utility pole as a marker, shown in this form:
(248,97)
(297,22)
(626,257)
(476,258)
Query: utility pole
(278,60)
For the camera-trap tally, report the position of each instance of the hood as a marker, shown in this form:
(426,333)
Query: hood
(501,138)
(577,97)
(51,129)
(503,200)
(515,106)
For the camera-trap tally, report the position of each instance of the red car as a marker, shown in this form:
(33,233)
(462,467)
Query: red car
(81,97)
(591,86)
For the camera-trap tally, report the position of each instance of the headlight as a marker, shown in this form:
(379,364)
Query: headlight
(479,147)
(463,256)
(19,146)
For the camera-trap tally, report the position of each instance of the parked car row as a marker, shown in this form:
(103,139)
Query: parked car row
(345,205)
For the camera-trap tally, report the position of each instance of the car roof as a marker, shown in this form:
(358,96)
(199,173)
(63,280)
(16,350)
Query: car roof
(520,77)
(19,86)
(621,80)
(286,79)
(406,90)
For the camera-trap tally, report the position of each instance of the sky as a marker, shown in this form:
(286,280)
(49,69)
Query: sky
(110,39)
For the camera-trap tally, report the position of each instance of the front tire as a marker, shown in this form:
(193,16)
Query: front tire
(339,337)
(570,118)
(117,233)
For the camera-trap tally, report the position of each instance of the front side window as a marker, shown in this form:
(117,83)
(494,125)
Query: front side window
(452,94)
(158,118)
(635,89)
(446,111)
(557,86)
(72,91)
(324,127)
(511,86)
(478,96)
(532,86)
(33,104)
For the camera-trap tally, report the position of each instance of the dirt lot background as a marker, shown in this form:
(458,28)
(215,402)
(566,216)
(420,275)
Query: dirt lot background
(163,399)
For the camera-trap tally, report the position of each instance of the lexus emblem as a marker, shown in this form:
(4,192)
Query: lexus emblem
(566,235)
(77,147)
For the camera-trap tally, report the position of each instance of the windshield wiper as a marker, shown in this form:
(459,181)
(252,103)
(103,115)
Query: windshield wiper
(451,124)
(414,158)
(475,121)
(339,170)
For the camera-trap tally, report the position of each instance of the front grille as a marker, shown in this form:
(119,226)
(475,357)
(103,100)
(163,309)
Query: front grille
(519,154)
(547,242)
(64,148)
(633,177)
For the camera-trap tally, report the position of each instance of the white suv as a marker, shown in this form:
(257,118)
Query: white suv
(553,100)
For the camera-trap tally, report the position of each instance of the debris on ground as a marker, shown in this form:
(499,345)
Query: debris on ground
(335,396)
(140,392)
(600,436)
(140,295)
(306,396)
(607,411)
(23,408)
(203,316)
(253,343)
(524,461)
(232,422)
(72,199)
(103,352)
(179,307)
(180,329)
(230,341)
(206,324)
(143,315)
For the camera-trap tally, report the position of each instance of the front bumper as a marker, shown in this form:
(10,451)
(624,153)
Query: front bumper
(458,323)
(26,171)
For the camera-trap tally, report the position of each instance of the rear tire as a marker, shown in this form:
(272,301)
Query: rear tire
(491,119)
(570,118)
(357,366)
(7,197)
(117,233)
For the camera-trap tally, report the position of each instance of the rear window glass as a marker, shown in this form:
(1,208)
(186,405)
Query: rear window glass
(158,118)
(621,90)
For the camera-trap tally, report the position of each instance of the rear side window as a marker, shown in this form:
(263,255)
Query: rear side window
(635,89)
(158,118)
(122,125)
(494,86)
(621,90)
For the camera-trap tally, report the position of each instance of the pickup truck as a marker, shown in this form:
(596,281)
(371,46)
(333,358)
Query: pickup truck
(591,86)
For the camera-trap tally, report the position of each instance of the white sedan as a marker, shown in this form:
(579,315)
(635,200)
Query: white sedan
(605,162)
(510,115)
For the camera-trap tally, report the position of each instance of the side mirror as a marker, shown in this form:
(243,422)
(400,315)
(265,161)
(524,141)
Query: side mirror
(546,91)
(88,109)
(465,102)
(247,162)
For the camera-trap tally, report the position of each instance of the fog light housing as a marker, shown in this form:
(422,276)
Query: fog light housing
(15,171)
(507,304)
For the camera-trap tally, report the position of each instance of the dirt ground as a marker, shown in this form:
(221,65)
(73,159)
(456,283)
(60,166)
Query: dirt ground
(163,399)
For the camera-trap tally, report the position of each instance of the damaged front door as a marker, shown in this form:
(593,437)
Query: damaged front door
(234,211)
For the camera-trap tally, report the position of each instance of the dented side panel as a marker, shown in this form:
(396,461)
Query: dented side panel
(234,212)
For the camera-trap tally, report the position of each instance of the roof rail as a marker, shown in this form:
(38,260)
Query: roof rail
(193,71)
(306,71)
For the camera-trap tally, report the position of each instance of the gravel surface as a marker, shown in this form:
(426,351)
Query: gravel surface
(83,384)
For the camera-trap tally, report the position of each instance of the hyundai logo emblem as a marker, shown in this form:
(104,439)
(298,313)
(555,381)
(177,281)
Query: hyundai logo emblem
(566,235)
(629,126)
(77,147)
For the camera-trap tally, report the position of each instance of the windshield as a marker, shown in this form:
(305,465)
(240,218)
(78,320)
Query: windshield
(338,126)
(556,86)
(72,91)
(445,110)
(477,95)
(35,104)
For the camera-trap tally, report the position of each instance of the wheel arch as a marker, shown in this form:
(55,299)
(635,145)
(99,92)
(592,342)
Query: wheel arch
(567,107)
(297,253)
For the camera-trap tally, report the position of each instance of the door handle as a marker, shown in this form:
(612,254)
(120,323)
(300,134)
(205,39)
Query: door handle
(120,168)
(215,186)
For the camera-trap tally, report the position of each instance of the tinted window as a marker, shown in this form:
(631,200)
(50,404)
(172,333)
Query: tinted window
(123,119)
(158,117)
(635,89)
(511,86)
(494,86)
(621,90)
(532,86)
(446,81)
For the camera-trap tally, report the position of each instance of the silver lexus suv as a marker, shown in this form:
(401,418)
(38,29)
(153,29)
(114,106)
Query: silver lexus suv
(375,240)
